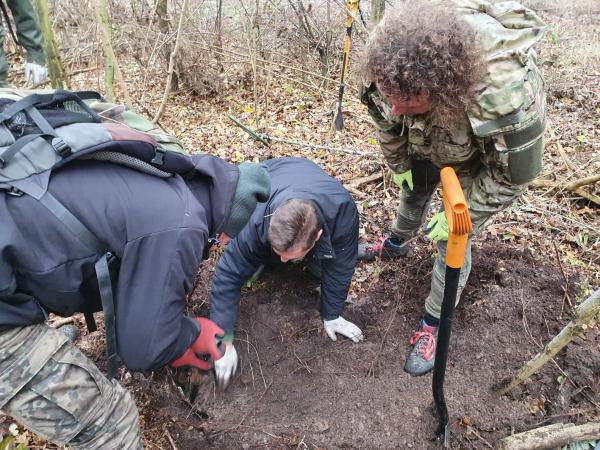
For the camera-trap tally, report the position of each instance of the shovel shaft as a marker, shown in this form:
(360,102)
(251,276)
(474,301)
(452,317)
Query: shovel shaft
(459,225)
(441,354)
(351,10)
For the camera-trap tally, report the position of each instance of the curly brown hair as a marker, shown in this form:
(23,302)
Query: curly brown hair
(421,48)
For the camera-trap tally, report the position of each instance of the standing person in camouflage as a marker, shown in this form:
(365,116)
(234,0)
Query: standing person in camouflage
(29,36)
(453,83)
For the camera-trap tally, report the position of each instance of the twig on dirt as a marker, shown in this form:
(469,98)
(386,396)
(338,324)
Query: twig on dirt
(358,182)
(263,137)
(560,148)
(574,412)
(566,286)
(63,321)
(573,187)
(470,429)
(304,365)
(323,147)
(257,358)
(171,441)
(531,208)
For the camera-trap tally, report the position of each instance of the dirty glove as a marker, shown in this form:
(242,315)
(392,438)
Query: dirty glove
(205,345)
(226,366)
(402,179)
(437,228)
(343,327)
(35,73)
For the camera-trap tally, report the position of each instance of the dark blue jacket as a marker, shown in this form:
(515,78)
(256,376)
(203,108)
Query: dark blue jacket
(157,227)
(336,249)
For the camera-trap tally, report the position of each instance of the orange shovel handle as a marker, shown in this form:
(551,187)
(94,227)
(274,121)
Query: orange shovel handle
(457,215)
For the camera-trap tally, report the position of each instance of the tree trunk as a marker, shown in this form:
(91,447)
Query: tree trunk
(377,11)
(219,38)
(56,70)
(111,65)
(164,26)
(171,69)
(101,9)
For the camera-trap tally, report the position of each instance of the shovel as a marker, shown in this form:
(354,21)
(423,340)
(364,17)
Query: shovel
(459,227)
(351,10)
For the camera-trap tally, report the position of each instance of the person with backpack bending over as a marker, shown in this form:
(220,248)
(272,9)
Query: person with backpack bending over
(28,35)
(453,83)
(158,228)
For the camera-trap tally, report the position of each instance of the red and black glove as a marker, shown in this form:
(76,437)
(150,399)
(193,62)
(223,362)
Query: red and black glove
(206,344)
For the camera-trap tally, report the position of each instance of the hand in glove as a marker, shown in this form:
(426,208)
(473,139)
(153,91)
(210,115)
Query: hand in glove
(403,180)
(204,345)
(343,327)
(437,228)
(35,73)
(226,366)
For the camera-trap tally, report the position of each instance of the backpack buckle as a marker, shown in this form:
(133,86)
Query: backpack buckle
(159,156)
(60,147)
(11,190)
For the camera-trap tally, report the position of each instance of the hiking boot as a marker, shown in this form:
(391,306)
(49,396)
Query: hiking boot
(422,357)
(386,248)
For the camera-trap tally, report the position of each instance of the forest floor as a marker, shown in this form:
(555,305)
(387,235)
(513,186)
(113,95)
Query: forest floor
(297,389)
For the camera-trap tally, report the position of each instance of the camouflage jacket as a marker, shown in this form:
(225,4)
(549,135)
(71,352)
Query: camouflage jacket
(510,105)
(27,29)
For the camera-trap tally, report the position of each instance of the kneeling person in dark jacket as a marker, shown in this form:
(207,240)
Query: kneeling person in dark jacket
(309,216)
(159,229)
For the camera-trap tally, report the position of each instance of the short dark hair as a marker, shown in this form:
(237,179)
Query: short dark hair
(294,223)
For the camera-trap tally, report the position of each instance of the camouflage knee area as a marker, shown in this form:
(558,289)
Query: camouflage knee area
(69,401)
(411,213)
(433,303)
(117,427)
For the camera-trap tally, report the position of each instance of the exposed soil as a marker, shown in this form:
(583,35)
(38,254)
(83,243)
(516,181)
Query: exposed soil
(297,389)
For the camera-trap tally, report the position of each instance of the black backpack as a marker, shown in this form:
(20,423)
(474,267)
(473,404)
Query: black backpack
(41,131)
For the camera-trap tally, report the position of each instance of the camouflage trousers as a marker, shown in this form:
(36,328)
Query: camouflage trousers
(55,391)
(412,211)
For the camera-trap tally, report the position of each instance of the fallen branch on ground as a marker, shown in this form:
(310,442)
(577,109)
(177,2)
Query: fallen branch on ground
(550,436)
(574,186)
(583,314)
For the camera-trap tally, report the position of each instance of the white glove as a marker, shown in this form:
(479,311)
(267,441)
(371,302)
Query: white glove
(226,366)
(35,73)
(343,327)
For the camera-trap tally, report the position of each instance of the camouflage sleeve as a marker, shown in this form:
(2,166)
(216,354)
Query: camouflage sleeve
(28,30)
(394,146)
(491,190)
(392,136)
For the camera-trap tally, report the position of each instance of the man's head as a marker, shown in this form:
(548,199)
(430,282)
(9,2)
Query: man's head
(423,58)
(294,229)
